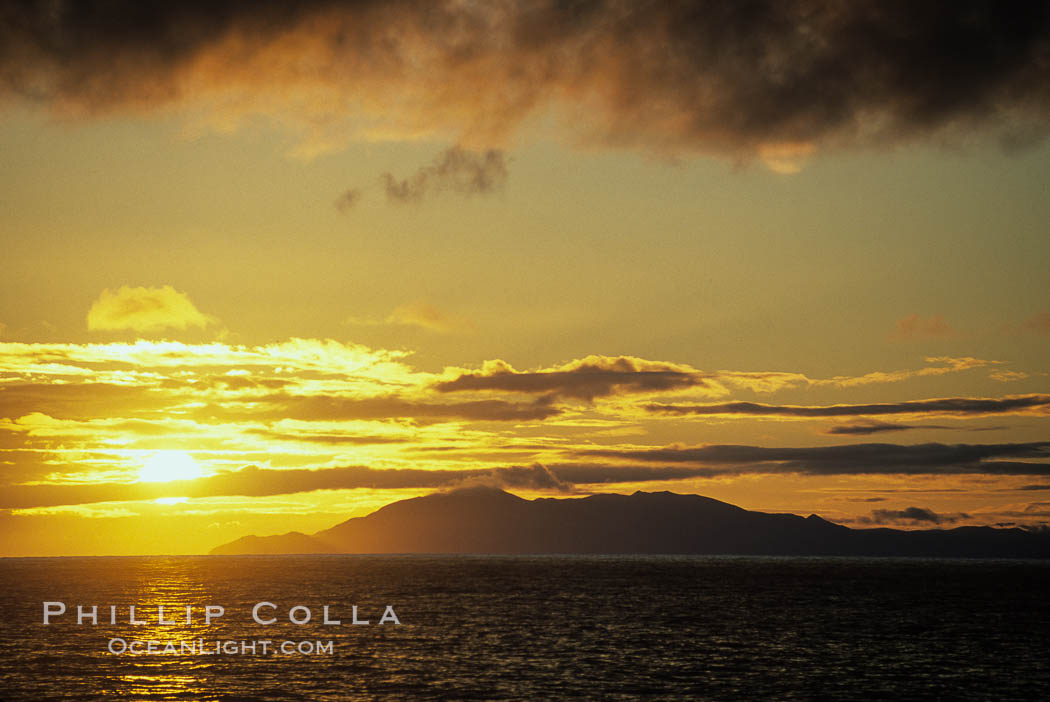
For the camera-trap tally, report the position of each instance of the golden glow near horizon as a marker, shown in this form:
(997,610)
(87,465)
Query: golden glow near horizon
(243,301)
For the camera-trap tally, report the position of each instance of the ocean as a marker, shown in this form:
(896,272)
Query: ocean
(525,628)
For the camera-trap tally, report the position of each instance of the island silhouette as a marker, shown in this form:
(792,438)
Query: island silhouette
(486,520)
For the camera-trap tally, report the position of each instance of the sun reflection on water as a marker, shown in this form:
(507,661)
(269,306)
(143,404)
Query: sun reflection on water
(164,582)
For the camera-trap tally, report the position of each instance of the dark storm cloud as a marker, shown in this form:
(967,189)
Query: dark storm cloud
(457,170)
(850,459)
(722,77)
(584,380)
(950,405)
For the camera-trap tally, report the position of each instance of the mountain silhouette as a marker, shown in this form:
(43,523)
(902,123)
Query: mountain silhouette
(489,520)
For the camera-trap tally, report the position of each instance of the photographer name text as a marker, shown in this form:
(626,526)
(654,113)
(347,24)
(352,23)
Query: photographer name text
(262,613)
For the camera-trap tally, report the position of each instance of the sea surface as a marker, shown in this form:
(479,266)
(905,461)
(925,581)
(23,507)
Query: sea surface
(530,628)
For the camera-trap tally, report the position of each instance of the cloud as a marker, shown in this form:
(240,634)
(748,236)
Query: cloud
(327,407)
(533,477)
(145,310)
(848,459)
(425,316)
(348,200)
(600,376)
(331,438)
(78,399)
(915,327)
(786,157)
(1007,376)
(771,79)
(949,406)
(583,379)
(911,515)
(948,365)
(872,426)
(75,417)
(253,481)
(416,314)
(457,170)
(762,381)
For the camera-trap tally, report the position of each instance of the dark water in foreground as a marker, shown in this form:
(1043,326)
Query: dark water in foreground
(491,627)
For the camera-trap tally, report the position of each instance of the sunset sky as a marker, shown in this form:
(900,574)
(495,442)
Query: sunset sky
(268,266)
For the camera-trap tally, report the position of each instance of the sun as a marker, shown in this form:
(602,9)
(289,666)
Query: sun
(163,466)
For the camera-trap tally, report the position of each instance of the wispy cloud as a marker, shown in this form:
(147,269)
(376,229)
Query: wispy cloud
(253,481)
(1008,376)
(333,407)
(348,199)
(455,170)
(422,314)
(417,314)
(871,426)
(849,459)
(945,365)
(948,406)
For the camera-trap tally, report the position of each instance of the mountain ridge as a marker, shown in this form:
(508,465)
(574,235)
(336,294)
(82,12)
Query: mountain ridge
(488,520)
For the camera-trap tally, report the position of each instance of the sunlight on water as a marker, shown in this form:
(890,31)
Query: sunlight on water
(528,628)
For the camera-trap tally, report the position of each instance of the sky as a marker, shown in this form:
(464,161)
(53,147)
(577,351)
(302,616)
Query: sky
(268,266)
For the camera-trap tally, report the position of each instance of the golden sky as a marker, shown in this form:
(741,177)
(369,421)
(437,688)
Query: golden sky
(268,269)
